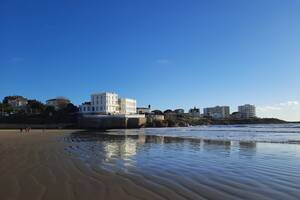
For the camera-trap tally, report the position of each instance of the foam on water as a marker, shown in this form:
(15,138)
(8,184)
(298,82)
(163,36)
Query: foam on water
(280,133)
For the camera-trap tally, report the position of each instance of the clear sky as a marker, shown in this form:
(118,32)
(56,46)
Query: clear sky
(167,53)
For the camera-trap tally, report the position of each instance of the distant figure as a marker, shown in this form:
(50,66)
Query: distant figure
(27,129)
(21,130)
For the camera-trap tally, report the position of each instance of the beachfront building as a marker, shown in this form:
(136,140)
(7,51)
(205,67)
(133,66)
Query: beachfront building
(127,106)
(143,110)
(58,103)
(218,112)
(16,102)
(247,111)
(151,117)
(108,103)
(195,112)
(85,107)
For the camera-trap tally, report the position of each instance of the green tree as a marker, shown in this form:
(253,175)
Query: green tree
(1,109)
(49,111)
(35,107)
(157,112)
(6,108)
(168,111)
(70,109)
(5,100)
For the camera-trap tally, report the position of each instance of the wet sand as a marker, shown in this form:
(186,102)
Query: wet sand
(65,164)
(36,166)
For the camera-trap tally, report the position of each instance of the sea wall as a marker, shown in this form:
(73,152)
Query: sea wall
(111,121)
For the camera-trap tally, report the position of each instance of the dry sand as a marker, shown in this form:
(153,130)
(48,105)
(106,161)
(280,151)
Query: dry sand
(35,166)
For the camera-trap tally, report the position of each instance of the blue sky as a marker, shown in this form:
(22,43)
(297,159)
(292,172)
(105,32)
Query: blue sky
(167,53)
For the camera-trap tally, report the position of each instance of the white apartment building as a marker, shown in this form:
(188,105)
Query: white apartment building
(127,106)
(108,103)
(247,111)
(218,112)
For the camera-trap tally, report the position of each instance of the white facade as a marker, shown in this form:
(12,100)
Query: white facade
(105,103)
(247,111)
(108,103)
(127,106)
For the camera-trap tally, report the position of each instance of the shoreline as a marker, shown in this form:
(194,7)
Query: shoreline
(3,127)
(184,121)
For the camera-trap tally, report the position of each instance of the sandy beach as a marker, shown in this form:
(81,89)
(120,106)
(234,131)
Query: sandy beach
(145,164)
(35,166)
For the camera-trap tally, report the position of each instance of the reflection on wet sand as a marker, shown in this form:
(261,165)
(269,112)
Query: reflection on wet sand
(128,145)
(124,146)
(207,169)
